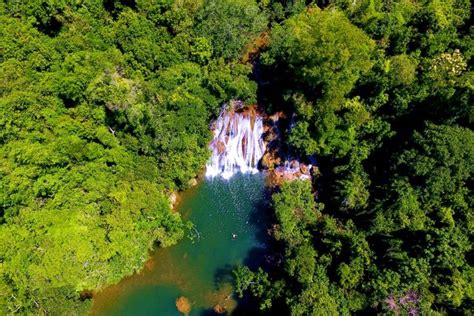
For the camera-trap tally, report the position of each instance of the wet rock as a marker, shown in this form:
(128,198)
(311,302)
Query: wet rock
(219,309)
(220,147)
(183,305)
(277,116)
(270,160)
(315,171)
(290,171)
(173,199)
(304,169)
(193,182)
(294,164)
(237,105)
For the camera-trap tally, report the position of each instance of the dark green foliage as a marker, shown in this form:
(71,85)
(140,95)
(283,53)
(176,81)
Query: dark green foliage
(381,92)
(295,210)
(325,55)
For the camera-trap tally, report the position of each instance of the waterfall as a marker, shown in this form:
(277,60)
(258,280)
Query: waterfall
(237,145)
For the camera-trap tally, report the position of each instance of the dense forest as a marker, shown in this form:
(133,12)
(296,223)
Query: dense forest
(105,109)
(382,95)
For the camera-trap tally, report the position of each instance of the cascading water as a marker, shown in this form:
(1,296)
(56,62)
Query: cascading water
(237,146)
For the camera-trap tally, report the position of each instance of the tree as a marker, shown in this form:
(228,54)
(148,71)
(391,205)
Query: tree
(324,55)
(230,25)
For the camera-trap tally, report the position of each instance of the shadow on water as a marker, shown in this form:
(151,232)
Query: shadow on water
(209,312)
(260,218)
(223,275)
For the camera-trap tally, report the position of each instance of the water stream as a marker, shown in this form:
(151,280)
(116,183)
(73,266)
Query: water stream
(237,146)
(230,229)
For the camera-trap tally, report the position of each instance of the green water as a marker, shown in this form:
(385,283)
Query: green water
(201,269)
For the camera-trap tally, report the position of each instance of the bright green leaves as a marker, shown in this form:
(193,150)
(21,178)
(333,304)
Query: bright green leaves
(112,89)
(327,128)
(104,110)
(87,224)
(442,161)
(201,50)
(432,203)
(146,47)
(352,189)
(229,81)
(381,94)
(351,274)
(315,247)
(447,14)
(402,69)
(301,262)
(323,49)
(66,243)
(406,211)
(315,298)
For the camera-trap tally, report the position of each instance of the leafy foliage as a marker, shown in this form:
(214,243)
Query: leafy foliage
(381,92)
(104,111)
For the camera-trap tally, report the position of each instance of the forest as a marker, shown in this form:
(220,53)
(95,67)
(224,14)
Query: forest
(105,109)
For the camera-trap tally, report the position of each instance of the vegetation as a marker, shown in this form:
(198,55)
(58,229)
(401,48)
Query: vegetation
(382,95)
(104,112)
(105,107)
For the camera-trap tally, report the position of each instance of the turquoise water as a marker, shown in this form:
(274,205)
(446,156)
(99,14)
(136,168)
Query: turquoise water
(198,269)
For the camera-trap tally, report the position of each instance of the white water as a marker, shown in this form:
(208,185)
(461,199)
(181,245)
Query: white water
(237,145)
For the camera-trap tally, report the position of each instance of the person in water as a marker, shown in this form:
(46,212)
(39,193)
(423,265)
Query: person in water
(234,236)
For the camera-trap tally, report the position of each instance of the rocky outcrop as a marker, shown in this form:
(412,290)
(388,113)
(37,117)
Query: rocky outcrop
(291,171)
(183,305)
(248,140)
(193,182)
(173,197)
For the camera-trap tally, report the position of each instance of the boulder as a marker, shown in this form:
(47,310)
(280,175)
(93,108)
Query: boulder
(219,309)
(193,182)
(173,198)
(183,305)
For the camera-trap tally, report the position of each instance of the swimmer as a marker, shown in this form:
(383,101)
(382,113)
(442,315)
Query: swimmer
(234,236)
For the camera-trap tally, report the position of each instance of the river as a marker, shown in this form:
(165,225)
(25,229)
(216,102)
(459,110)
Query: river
(230,221)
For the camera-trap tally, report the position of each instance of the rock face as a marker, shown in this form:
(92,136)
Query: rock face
(183,305)
(270,160)
(248,140)
(193,182)
(173,199)
(238,143)
(291,171)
